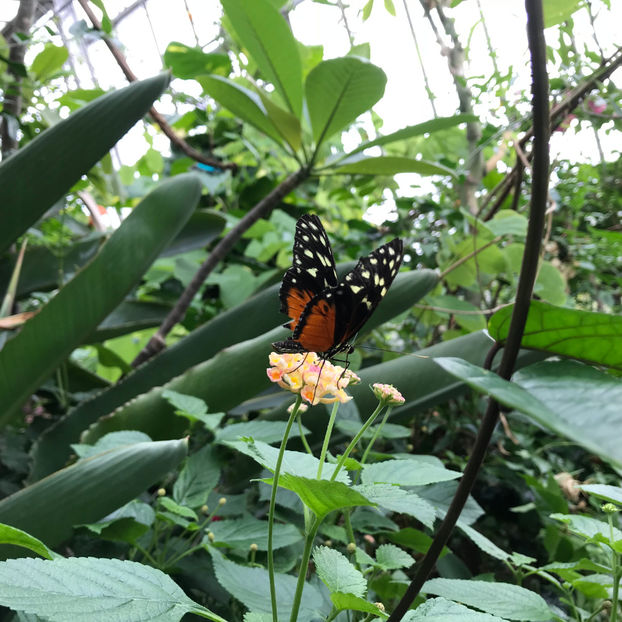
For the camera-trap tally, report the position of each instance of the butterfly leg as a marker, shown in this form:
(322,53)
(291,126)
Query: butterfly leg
(318,381)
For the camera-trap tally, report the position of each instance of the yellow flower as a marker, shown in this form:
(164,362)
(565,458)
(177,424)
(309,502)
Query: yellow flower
(316,380)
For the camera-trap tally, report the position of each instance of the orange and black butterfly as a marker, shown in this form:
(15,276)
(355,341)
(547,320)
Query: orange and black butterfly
(326,314)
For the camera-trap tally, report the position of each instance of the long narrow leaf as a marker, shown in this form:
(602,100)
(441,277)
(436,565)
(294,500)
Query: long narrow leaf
(39,174)
(47,338)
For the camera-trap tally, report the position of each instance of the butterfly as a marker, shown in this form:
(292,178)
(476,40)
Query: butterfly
(325,313)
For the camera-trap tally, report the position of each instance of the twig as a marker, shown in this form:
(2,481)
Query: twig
(466,258)
(91,204)
(157,343)
(179,142)
(539,191)
(420,58)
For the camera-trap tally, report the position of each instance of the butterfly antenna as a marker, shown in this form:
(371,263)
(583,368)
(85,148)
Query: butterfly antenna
(318,381)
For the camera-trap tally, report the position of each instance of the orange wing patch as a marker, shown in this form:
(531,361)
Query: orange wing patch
(316,329)
(296,301)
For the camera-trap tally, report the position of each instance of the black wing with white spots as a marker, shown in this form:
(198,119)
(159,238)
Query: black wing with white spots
(326,314)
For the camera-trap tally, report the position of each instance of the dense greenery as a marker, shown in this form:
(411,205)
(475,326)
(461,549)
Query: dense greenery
(148,467)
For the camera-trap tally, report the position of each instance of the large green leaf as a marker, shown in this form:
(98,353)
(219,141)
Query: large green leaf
(340,90)
(129,316)
(392,165)
(47,338)
(268,38)
(592,337)
(37,175)
(571,399)
(427,127)
(89,490)
(242,102)
(186,62)
(502,599)
(254,317)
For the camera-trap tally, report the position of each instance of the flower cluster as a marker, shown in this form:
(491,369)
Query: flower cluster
(388,394)
(316,380)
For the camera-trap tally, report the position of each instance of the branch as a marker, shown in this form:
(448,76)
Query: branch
(539,192)
(179,142)
(558,113)
(157,343)
(12,105)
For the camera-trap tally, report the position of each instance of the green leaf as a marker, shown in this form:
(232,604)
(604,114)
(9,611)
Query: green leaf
(17,537)
(392,165)
(185,403)
(240,533)
(186,62)
(349,602)
(85,588)
(82,139)
(548,392)
(405,473)
(483,542)
(501,599)
(90,489)
(391,557)
(558,11)
(338,91)
(507,222)
(427,127)
(110,441)
(48,61)
(254,317)
(47,338)
(337,573)
(388,5)
(252,588)
(294,462)
(611,494)
(240,101)
(398,500)
(286,123)
(466,314)
(592,337)
(266,35)
(442,610)
(322,496)
(197,479)
(266,431)
(592,529)
(174,508)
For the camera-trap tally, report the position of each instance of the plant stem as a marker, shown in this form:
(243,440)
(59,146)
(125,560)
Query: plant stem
(355,440)
(375,436)
(275,483)
(617,574)
(304,564)
(329,430)
(303,438)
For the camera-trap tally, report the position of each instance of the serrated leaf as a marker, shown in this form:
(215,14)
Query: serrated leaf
(391,557)
(405,473)
(86,588)
(398,500)
(337,573)
(501,599)
(186,403)
(179,510)
(197,479)
(322,496)
(240,533)
(483,542)
(338,91)
(349,602)
(252,588)
(592,337)
(443,610)
(592,529)
(612,494)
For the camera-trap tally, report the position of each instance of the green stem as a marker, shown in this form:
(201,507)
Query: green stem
(617,574)
(303,438)
(275,482)
(329,430)
(375,436)
(355,440)
(304,564)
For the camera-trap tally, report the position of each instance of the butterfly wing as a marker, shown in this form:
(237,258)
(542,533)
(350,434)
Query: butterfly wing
(313,268)
(333,317)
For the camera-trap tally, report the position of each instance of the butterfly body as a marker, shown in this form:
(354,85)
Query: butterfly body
(325,313)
